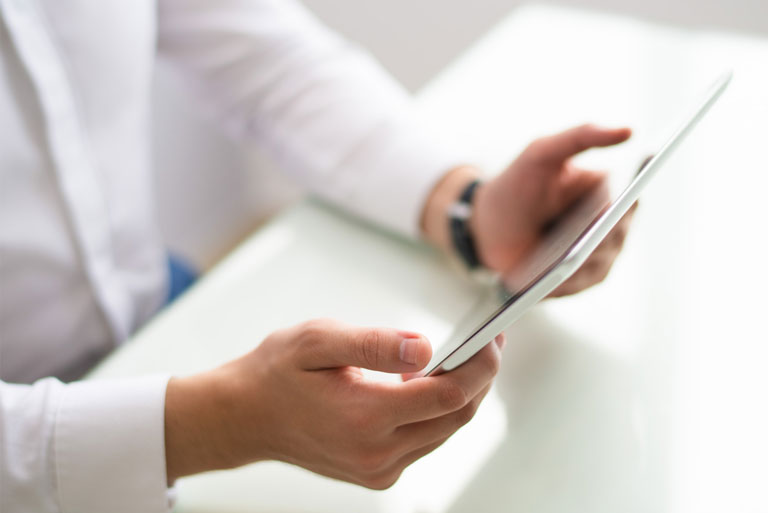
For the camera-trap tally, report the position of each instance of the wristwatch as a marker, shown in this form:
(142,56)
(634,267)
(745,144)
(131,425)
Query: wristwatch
(459,214)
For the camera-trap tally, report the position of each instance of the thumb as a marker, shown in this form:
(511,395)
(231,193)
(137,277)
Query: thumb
(560,147)
(380,349)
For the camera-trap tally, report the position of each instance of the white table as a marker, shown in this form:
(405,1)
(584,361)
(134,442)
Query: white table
(644,394)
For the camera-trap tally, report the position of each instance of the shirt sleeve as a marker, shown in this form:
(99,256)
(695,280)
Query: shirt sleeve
(323,109)
(87,447)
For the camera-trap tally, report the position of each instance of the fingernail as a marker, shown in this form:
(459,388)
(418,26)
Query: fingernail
(409,350)
(501,340)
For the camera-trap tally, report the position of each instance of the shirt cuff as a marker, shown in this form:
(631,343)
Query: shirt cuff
(109,447)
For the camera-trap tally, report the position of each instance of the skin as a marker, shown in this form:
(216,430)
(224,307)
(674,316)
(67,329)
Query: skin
(512,211)
(300,396)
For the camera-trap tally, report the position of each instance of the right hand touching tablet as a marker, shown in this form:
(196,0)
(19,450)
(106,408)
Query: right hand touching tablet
(300,397)
(513,211)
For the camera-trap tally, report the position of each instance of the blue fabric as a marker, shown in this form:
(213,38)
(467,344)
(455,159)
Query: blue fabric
(181,276)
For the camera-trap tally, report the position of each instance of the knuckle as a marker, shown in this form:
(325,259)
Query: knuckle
(452,396)
(603,273)
(592,266)
(464,415)
(492,362)
(275,338)
(313,333)
(536,149)
(612,244)
(370,462)
(383,481)
(370,348)
(495,365)
(621,237)
(581,135)
(597,272)
(314,327)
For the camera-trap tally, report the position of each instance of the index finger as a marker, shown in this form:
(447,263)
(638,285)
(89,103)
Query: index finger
(560,147)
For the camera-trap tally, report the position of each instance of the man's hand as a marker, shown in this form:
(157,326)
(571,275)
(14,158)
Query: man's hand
(300,397)
(512,212)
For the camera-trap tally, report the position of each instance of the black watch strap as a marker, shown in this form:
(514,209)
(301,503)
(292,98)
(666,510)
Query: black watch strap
(459,215)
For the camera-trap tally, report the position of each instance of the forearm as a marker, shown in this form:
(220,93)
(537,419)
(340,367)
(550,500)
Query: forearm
(200,431)
(186,446)
(324,111)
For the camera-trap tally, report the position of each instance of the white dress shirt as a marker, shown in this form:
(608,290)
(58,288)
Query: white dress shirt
(81,263)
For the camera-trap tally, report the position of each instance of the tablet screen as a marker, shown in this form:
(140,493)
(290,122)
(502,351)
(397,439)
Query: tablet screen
(553,246)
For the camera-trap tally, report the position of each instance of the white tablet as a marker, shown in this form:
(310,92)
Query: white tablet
(558,256)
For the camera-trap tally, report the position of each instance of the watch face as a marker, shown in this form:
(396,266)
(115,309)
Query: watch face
(461,211)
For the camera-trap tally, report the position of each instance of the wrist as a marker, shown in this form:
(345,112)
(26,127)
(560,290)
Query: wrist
(460,217)
(435,225)
(476,221)
(200,429)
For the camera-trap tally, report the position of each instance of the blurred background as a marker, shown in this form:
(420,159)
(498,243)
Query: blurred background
(212,192)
